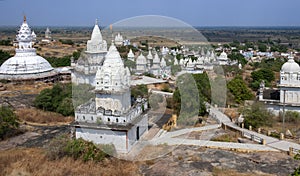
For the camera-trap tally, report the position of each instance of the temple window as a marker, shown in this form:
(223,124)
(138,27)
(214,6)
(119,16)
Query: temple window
(108,119)
(117,120)
(92,118)
(83,117)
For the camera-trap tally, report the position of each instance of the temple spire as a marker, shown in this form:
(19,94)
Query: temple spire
(24,18)
(96,22)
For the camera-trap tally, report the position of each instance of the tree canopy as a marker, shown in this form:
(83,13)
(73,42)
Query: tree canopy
(257,115)
(8,121)
(262,74)
(4,56)
(239,89)
(58,99)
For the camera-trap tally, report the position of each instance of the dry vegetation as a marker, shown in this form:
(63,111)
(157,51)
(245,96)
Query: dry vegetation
(34,162)
(35,88)
(33,115)
(230,136)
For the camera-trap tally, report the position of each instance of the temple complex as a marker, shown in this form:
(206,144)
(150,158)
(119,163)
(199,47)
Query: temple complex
(111,117)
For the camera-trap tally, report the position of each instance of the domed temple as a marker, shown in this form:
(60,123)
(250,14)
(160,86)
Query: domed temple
(84,70)
(111,117)
(26,64)
(288,93)
(223,59)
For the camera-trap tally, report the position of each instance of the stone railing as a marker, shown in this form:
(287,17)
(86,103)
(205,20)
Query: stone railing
(253,137)
(293,151)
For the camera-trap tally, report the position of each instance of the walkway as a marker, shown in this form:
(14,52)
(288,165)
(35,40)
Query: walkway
(270,141)
(213,144)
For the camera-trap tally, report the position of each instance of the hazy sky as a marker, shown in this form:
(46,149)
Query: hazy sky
(193,12)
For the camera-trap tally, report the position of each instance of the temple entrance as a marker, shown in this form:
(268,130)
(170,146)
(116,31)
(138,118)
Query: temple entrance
(137,133)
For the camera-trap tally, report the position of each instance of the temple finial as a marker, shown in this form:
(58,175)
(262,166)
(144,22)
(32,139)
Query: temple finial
(96,22)
(24,18)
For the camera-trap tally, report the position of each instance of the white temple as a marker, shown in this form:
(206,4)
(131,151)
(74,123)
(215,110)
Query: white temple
(119,39)
(48,37)
(222,59)
(155,69)
(288,94)
(130,55)
(84,70)
(48,34)
(110,118)
(26,64)
(141,64)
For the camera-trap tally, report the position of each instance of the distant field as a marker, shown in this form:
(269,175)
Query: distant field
(79,35)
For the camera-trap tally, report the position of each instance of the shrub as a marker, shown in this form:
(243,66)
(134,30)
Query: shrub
(257,116)
(239,89)
(63,146)
(58,99)
(8,122)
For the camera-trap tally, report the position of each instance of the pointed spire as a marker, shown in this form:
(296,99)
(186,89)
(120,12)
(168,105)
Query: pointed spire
(96,22)
(291,57)
(24,18)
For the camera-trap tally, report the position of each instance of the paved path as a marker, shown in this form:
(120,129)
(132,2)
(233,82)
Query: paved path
(272,144)
(270,141)
(213,144)
(188,130)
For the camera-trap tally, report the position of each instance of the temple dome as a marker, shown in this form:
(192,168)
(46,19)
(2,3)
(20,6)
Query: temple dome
(130,54)
(96,34)
(223,56)
(290,66)
(141,59)
(113,76)
(156,59)
(96,44)
(25,61)
(25,65)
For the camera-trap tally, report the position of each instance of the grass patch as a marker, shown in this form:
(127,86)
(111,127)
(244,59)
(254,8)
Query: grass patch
(38,116)
(228,137)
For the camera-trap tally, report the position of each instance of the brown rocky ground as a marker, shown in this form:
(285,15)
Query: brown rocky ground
(191,160)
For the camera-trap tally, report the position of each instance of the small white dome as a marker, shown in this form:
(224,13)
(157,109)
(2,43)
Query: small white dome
(156,59)
(96,34)
(290,66)
(141,59)
(130,54)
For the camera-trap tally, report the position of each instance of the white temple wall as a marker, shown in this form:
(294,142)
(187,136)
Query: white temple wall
(275,109)
(292,95)
(103,136)
(143,129)
(120,102)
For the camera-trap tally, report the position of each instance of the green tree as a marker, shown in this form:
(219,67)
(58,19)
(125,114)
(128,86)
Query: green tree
(238,57)
(59,62)
(262,47)
(57,99)
(239,89)
(262,74)
(4,56)
(203,85)
(257,116)
(8,122)
(193,105)
(139,90)
(66,107)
